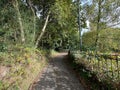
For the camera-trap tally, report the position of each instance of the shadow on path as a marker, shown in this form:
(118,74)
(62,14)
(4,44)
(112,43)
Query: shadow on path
(57,76)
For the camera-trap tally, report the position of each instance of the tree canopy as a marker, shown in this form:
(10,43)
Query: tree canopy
(53,23)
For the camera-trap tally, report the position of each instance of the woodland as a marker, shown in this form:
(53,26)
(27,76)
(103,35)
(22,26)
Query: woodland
(31,30)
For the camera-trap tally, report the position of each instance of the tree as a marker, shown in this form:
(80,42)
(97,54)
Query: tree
(16,6)
(32,7)
(59,15)
(100,14)
(43,31)
(98,23)
(79,23)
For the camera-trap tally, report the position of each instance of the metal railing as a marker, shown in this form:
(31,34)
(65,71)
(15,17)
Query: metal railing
(106,65)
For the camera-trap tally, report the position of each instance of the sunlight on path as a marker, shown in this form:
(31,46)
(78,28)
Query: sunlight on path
(57,76)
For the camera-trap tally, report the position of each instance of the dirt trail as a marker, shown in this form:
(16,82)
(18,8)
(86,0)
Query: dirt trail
(58,76)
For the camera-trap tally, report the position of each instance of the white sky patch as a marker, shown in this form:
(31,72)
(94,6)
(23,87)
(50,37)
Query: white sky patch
(38,13)
(24,1)
(83,2)
(88,24)
(84,30)
(116,23)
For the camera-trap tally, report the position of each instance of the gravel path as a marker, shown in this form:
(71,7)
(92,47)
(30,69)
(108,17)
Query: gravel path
(58,76)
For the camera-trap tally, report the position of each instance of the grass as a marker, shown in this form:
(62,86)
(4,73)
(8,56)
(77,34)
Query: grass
(23,65)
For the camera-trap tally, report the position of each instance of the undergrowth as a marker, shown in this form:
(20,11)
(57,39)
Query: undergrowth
(95,77)
(22,66)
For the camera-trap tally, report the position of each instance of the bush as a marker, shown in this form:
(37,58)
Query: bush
(3,47)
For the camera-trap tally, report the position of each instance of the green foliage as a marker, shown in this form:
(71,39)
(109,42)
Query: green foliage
(1,85)
(61,30)
(61,10)
(108,40)
(3,47)
(101,68)
(61,33)
(22,63)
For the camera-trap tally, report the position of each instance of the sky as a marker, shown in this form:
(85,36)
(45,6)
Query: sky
(86,2)
(84,30)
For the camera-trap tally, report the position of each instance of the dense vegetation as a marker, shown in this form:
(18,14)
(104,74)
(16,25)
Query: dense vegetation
(99,72)
(108,40)
(29,29)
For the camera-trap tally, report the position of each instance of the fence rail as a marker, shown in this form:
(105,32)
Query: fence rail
(106,66)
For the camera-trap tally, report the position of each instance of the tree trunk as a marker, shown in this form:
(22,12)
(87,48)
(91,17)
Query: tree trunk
(16,6)
(34,28)
(34,19)
(98,25)
(43,31)
(79,24)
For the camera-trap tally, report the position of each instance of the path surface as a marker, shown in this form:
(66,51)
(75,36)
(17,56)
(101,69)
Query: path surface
(58,76)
